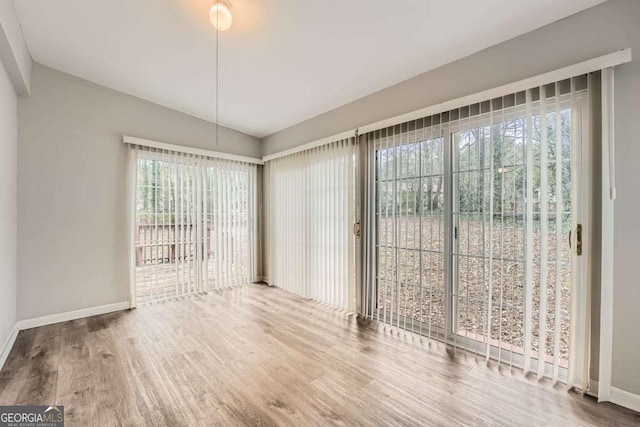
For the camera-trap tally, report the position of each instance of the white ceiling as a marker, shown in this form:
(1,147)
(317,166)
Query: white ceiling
(282,62)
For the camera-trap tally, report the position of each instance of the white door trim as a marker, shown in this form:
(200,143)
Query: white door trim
(608,201)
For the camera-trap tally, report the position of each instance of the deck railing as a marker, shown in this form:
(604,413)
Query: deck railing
(167,243)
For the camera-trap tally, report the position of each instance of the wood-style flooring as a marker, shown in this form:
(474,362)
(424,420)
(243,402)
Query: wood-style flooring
(255,355)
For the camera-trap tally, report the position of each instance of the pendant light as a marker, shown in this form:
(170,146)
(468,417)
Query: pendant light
(220,15)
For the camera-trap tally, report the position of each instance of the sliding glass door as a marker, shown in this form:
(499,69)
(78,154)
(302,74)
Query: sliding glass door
(512,261)
(194,224)
(478,227)
(411,234)
(310,215)
(488,218)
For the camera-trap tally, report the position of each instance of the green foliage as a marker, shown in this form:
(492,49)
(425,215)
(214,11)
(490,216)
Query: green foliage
(155,196)
(163,187)
(411,176)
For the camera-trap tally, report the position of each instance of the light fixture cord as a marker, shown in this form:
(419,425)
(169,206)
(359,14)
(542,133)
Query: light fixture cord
(217,68)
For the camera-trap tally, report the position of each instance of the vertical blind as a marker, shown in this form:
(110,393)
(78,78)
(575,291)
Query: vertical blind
(193,223)
(310,217)
(468,221)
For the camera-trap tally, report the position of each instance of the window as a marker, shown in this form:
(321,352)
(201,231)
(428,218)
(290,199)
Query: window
(410,233)
(194,224)
(475,212)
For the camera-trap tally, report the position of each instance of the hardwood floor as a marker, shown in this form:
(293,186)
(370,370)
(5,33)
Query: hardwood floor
(255,355)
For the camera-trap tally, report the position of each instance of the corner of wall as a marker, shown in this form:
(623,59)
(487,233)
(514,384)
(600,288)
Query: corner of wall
(8,208)
(14,52)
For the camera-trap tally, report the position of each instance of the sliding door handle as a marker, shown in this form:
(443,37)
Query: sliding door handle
(578,239)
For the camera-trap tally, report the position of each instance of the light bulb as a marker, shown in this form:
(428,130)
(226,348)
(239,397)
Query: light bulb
(220,16)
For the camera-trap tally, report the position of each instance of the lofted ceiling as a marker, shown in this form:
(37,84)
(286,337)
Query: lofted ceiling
(282,61)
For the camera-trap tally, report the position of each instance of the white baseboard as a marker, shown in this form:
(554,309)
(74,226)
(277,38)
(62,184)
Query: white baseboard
(72,315)
(626,399)
(56,318)
(8,345)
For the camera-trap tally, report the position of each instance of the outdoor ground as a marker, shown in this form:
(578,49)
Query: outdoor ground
(418,292)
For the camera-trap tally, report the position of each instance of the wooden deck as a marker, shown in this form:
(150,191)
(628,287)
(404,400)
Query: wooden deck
(171,280)
(254,355)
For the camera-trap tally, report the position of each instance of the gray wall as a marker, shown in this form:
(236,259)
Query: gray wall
(594,32)
(8,209)
(72,187)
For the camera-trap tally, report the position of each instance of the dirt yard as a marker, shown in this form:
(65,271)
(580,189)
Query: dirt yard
(415,288)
